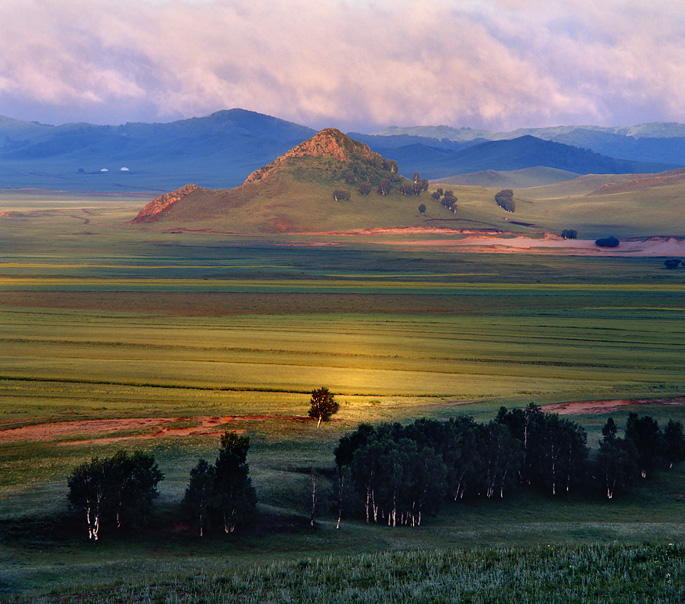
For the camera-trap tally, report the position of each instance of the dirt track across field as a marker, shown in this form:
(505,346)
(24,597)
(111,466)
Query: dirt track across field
(106,431)
(608,406)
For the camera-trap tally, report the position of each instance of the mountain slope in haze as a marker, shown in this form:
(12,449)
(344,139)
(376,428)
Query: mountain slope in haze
(222,149)
(511,179)
(295,192)
(218,150)
(527,152)
(655,142)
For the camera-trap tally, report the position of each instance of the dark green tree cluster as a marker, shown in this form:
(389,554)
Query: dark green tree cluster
(673,263)
(449,201)
(117,490)
(644,449)
(397,474)
(569,234)
(554,449)
(400,473)
(505,199)
(371,171)
(222,493)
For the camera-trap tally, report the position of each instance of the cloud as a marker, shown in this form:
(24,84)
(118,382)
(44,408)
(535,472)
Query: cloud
(350,63)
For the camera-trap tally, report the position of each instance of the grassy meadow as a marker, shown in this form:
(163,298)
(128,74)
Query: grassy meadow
(115,338)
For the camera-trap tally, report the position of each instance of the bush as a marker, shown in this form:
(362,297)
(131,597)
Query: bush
(607,242)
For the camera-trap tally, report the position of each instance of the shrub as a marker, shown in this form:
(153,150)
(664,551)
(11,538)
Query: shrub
(607,242)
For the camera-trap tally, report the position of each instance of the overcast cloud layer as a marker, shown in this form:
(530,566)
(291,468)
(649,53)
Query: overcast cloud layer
(353,64)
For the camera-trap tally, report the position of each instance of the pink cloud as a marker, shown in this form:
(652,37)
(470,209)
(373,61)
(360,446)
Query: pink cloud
(353,64)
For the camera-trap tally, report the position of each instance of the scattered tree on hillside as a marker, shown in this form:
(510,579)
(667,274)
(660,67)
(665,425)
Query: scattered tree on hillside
(416,178)
(436,196)
(322,405)
(406,188)
(384,186)
(365,188)
(449,201)
(505,199)
(341,195)
(422,208)
(569,234)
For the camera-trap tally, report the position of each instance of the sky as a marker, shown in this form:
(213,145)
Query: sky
(359,65)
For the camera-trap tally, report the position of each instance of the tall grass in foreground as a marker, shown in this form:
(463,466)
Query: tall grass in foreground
(598,573)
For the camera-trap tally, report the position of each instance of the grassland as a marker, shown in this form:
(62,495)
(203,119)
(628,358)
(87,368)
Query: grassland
(98,323)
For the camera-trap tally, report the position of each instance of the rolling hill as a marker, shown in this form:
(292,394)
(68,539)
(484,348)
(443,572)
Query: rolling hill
(528,152)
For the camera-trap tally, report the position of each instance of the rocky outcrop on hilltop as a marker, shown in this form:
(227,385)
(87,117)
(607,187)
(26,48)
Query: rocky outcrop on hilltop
(158,206)
(331,143)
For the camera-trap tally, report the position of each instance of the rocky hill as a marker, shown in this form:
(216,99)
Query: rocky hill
(300,190)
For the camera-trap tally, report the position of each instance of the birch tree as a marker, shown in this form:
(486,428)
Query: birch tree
(87,490)
(322,405)
(235,495)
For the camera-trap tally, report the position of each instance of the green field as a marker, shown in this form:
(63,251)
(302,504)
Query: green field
(99,323)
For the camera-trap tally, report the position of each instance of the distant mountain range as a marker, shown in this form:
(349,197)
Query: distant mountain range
(221,150)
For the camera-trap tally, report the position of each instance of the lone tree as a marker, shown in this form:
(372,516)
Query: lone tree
(422,208)
(322,405)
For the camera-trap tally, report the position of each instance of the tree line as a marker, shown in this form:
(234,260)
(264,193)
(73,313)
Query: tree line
(396,474)
(392,473)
